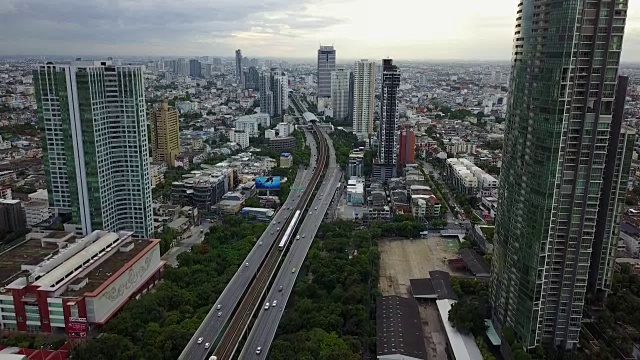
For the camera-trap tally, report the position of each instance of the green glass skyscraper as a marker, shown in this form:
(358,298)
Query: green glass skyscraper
(93,122)
(565,168)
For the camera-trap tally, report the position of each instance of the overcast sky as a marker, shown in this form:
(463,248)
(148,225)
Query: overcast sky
(400,29)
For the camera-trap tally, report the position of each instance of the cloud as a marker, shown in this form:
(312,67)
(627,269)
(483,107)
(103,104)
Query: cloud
(45,26)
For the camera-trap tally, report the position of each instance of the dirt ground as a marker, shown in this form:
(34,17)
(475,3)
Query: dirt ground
(401,260)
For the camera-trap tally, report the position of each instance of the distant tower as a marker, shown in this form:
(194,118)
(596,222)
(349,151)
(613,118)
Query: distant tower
(340,93)
(326,65)
(238,64)
(165,134)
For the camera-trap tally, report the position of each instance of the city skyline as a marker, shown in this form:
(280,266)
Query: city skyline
(462,30)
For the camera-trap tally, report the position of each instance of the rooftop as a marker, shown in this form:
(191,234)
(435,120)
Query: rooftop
(436,286)
(475,263)
(107,268)
(399,327)
(463,346)
(30,252)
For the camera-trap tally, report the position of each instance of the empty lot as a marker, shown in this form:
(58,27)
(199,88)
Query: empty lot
(402,259)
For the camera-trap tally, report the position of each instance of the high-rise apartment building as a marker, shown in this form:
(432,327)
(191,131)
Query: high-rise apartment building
(340,93)
(182,67)
(364,91)
(165,134)
(274,92)
(94,137)
(407,148)
(238,64)
(566,155)
(326,65)
(385,166)
(195,68)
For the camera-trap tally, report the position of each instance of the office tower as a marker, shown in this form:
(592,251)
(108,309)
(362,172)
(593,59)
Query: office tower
(195,68)
(326,65)
(364,91)
(266,95)
(252,79)
(94,138)
(407,148)
(340,93)
(238,64)
(558,209)
(165,134)
(385,167)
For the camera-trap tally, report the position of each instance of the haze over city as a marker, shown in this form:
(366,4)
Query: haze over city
(404,29)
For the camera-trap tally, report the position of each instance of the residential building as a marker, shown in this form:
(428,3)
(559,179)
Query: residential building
(280,90)
(326,65)
(459,147)
(252,123)
(270,134)
(285,129)
(195,68)
(165,134)
(96,145)
(355,164)
(407,150)
(340,93)
(238,64)
(364,90)
(239,137)
(71,283)
(266,94)
(565,154)
(286,160)
(385,166)
(12,216)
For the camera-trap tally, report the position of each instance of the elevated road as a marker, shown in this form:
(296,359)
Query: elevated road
(265,327)
(215,321)
(251,302)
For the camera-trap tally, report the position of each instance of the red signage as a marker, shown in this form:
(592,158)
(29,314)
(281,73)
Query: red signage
(77,327)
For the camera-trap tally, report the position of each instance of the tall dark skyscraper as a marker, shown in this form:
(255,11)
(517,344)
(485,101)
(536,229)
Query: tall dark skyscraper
(385,168)
(563,176)
(195,68)
(326,65)
(239,64)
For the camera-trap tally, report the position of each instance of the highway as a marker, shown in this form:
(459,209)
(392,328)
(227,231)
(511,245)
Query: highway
(252,300)
(264,329)
(212,325)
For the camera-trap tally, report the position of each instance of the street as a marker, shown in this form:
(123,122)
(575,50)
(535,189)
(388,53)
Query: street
(197,235)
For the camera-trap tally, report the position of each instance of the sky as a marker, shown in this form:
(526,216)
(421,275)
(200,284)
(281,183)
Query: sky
(359,29)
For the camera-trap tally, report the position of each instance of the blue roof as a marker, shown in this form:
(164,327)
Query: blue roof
(285,154)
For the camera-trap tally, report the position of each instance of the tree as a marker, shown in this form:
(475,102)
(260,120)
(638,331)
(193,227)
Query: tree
(465,316)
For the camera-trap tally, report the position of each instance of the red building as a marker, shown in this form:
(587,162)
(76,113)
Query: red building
(407,148)
(58,282)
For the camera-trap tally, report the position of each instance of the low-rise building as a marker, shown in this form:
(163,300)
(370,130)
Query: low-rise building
(239,137)
(355,164)
(201,189)
(285,129)
(286,160)
(282,143)
(355,191)
(55,281)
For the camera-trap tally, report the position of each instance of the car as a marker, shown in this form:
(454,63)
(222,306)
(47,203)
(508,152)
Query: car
(280,288)
(278,229)
(260,242)
(298,237)
(316,208)
(274,303)
(219,306)
(310,213)
(246,264)
(206,346)
(200,340)
(303,235)
(293,270)
(219,313)
(266,306)
(258,350)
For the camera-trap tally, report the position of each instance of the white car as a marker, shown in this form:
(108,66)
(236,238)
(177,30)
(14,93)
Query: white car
(274,303)
(246,264)
(206,346)
(220,314)
(258,350)
(200,340)
(219,306)
(266,306)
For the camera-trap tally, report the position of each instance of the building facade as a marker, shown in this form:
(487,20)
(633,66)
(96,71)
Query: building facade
(364,91)
(266,94)
(340,93)
(165,134)
(556,203)
(95,144)
(326,65)
(387,161)
(407,150)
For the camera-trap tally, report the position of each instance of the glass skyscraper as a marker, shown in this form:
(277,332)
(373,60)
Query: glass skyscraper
(92,117)
(326,65)
(563,176)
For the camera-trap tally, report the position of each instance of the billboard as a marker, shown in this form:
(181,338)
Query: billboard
(77,327)
(268,183)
